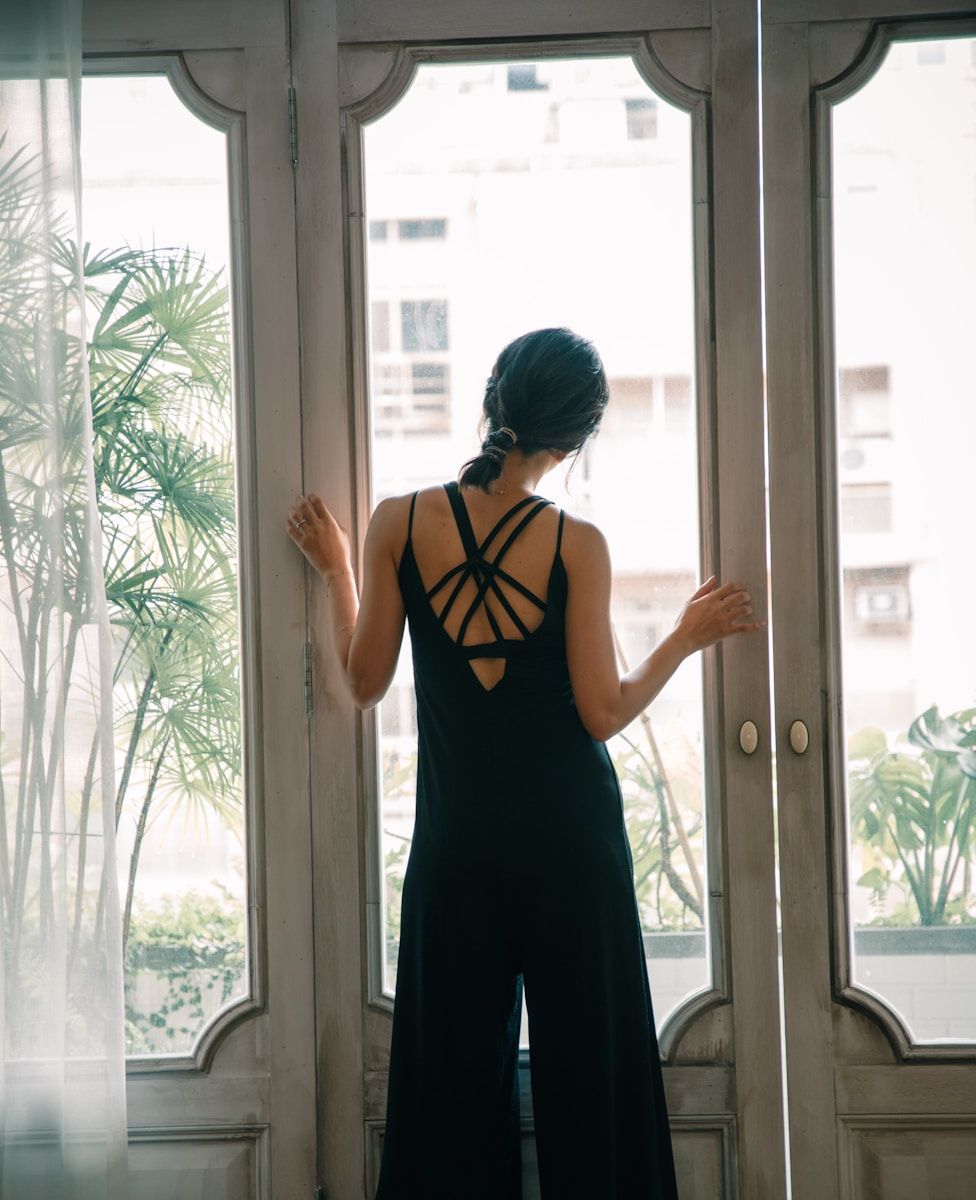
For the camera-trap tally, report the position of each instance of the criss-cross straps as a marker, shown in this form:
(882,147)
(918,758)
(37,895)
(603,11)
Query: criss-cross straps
(487,573)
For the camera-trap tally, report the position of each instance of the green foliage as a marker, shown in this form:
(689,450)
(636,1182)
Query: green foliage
(192,948)
(399,783)
(49,592)
(913,808)
(655,805)
(159,368)
(143,446)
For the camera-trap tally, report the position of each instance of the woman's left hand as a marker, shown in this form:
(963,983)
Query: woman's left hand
(714,612)
(318,535)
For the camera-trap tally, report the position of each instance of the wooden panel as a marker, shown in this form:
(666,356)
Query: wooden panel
(704,1159)
(776,12)
(941,1088)
(691,1091)
(909,1159)
(220,75)
(708,1039)
(833,49)
(159,1101)
(686,54)
(199,1165)
(147,25)
(696,1090)
(704,1152)
(530,1161)
(441,20)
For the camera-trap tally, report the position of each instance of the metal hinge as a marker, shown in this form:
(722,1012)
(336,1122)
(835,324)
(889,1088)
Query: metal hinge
(307,658)
(293,127)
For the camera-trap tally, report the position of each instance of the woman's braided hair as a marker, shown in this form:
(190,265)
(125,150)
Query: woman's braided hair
(548,391)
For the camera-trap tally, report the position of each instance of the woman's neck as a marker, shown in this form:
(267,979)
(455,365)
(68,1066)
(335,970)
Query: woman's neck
(521,474)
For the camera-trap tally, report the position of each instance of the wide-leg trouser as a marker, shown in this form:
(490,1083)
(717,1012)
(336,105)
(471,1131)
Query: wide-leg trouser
(468,943)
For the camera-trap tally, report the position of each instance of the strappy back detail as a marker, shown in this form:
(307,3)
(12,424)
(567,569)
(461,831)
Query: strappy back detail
(488,574)
(481,583)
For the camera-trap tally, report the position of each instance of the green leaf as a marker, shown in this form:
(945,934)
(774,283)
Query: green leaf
(866,743)
(875,879)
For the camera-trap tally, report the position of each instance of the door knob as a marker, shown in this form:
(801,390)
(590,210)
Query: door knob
(749,737)
(799,737)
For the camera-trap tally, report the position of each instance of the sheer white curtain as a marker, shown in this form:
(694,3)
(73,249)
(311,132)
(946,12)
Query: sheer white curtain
(62,1073)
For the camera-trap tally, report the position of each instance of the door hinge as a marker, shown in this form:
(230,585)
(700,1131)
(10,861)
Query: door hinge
(307,660)
(293,126)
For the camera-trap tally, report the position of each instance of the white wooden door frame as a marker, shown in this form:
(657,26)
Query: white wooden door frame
(852,1067)
(244,1101)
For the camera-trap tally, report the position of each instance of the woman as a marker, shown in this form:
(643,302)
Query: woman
(519,871)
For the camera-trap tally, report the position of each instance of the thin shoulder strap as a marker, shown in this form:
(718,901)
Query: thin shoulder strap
(462,520)
(413,505)
(559,532)
(466,530)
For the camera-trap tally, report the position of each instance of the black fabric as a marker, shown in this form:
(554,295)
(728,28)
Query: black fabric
(519,875)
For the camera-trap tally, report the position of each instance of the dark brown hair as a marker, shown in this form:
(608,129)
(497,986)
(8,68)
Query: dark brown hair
(548,391)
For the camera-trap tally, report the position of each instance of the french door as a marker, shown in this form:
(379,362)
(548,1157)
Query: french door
(878,1076)
(221,1102)
(610,183)
(868,176)
(353,343)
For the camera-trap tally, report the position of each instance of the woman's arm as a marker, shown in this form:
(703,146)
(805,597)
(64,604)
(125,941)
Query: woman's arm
(367,634)
(607,702)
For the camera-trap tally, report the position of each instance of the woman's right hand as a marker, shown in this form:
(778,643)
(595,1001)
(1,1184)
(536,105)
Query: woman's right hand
(318,535)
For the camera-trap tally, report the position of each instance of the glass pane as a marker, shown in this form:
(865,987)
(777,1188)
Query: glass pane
(904,263)
(504,198)
(156,224)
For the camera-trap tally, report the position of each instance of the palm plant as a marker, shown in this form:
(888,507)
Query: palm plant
(161,417)
(160,386)
(47,588)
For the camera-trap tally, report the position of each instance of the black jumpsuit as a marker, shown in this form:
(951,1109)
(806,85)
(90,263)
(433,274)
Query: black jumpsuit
(519,874)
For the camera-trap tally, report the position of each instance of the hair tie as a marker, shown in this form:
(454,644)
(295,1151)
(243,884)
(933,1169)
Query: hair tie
(498,436)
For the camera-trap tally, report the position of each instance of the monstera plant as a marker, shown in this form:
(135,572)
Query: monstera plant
(913,808)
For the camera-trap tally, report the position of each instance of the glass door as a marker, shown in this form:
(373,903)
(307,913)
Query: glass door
(871,429)
(189,216)
(543,143)
(492,190)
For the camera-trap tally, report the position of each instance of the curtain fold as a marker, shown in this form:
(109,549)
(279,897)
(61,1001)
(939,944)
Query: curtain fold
(62,1072)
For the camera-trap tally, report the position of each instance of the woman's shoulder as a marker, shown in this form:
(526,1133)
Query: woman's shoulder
(584,545)
(390,521)
(392,506)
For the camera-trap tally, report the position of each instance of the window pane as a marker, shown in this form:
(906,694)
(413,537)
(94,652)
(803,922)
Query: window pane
(156,220)
(523,162)
(424,324)
(432,228)
(904,264)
